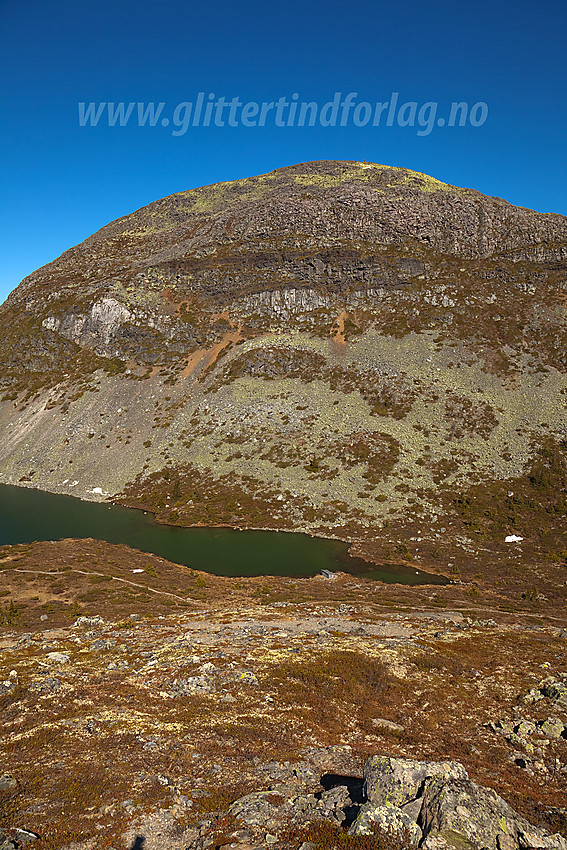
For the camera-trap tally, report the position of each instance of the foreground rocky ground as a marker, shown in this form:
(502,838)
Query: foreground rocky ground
(145,705)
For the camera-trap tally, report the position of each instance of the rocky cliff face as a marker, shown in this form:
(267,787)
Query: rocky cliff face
(329,228)
(337,346)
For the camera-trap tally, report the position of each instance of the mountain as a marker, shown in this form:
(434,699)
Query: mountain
(344,348)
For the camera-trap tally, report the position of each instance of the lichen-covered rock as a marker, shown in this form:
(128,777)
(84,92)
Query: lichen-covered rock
(502,727)
(15,838)
(525,727)
(477,815)
(553,727)
(10,683)
(7,782)
(102,645)
(446,841)
(58,657)
(394,781)
(556,691)
(48,685)
(256,809)
(192,685)
(335,800)
(436,802)
(88,622)
(248,678)
(390,819)
(282,805)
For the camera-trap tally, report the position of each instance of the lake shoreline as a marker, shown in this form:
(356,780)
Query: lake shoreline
(30,514)
(348,541)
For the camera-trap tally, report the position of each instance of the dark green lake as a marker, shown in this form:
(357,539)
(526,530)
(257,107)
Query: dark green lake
(28,515)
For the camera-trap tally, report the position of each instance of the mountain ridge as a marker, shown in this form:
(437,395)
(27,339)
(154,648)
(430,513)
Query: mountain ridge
(324,170)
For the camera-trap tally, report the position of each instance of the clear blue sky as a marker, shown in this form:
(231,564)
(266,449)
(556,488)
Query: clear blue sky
(61,182)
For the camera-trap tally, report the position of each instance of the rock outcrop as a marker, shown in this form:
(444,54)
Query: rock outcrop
(430,805)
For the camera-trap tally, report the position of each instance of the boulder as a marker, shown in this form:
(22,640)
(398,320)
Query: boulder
(395,781)
(335,801)
(470,815)
(58,657)
(382,723)
(390,819)
(553,727)
(236,846)
(45,686)
(446,841)
(256,809)
(192,685)
(102,645)
(16,837)
(525,727)
(7,782)
(555,691)
(88,622)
